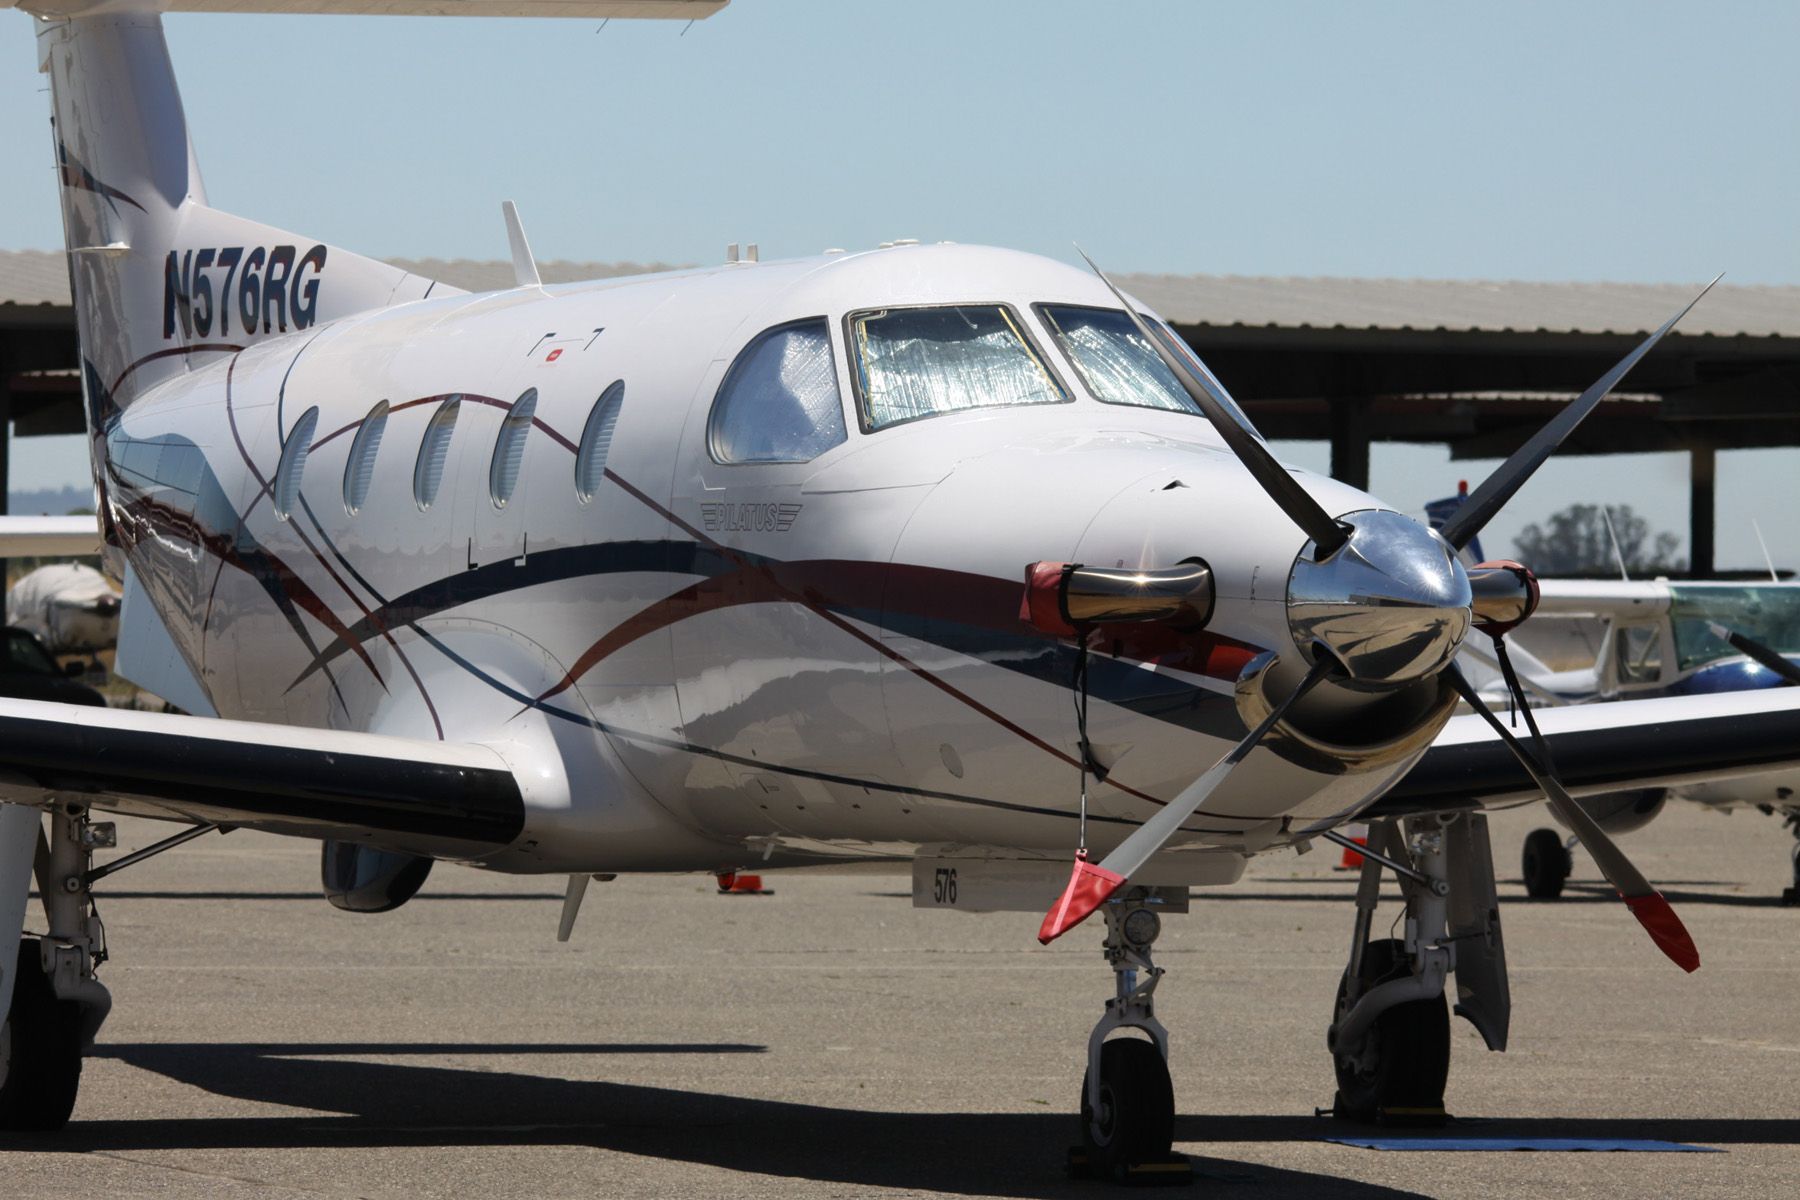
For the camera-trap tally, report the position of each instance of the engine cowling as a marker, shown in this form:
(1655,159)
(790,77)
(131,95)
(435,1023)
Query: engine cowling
(1624,812)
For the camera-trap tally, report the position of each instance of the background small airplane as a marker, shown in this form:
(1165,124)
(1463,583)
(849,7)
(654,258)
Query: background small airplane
(1659,638)
(70,607)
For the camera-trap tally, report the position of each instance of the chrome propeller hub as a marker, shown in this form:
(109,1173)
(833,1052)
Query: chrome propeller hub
(1391,605)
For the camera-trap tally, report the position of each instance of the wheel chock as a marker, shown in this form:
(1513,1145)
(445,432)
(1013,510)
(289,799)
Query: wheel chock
(1174,1171)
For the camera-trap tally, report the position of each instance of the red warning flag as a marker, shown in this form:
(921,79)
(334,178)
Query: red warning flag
(1089,887)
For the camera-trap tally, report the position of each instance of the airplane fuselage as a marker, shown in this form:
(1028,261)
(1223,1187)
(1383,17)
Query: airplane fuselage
(729,660)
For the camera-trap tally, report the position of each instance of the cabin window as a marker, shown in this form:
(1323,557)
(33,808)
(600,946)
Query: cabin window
(434,453)
(780,401)
(596,441)
(509,448)
(293,463)
(923,362)
(359,468)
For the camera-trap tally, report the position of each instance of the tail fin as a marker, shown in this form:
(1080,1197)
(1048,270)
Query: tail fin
(162,282)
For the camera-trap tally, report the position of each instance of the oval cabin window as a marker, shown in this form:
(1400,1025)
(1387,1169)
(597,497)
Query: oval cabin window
(434,452)
(359,468)
(509,449)
(293,463)
(596,441)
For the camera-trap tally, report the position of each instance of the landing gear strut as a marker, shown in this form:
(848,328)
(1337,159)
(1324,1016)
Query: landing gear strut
(1390,1033)
(57,1004)
(1127,1101)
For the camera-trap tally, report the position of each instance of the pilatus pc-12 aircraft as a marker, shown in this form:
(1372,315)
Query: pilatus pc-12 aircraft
(939,555)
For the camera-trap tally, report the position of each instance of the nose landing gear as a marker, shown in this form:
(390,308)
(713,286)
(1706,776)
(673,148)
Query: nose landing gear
(1127,1099)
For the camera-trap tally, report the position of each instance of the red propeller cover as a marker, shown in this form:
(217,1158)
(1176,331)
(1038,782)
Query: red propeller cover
(1665,929)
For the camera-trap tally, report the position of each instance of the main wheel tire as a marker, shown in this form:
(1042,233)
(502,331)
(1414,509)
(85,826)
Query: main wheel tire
(1546,864)
(40,1051)
(1136,1121)
(1407,1054)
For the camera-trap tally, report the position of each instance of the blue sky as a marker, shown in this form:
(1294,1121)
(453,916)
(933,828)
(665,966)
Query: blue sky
(1632,142)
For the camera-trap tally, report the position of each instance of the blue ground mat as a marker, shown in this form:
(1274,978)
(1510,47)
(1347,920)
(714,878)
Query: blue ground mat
(1627,1145)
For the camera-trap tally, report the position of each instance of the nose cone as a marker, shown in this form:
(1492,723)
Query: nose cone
(1390,606)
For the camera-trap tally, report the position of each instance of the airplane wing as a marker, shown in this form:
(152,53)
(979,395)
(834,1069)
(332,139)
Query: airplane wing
(1601,748)
(438,799)
(49,537)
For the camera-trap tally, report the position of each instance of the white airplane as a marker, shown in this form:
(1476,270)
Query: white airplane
(70,607)
(764,564)
(1659,638)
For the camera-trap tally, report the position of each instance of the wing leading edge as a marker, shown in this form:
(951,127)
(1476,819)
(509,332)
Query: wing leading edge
(1600,748)
(441,799)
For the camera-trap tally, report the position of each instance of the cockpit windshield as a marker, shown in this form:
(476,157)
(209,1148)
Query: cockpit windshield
(1119,366)
(1770,615)
(1115,362)
(921,362)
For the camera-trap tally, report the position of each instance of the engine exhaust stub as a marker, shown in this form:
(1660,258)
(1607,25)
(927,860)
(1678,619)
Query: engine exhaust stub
(1062,597)
(1505,593)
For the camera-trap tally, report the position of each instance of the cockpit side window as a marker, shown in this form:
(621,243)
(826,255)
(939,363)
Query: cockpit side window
(923,362)
(780,400)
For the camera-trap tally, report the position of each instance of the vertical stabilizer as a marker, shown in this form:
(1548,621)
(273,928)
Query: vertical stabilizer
(162,283)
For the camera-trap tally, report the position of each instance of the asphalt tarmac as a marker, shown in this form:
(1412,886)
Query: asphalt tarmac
(830,1040)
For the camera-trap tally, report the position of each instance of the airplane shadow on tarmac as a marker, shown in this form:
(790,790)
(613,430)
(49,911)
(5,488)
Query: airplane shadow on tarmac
(418,1105)
(1597,892)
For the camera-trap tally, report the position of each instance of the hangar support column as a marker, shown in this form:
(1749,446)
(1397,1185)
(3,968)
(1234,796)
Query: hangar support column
(1702,461)
(1350,440)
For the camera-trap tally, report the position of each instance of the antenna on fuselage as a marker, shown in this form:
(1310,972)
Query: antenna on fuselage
(525,272)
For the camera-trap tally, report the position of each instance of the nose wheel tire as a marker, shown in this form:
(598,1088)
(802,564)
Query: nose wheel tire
(1136,1119)
(1546,864)
(1403,1062)
(40,1051)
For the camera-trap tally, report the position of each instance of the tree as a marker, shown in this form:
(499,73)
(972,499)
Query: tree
(1575,542)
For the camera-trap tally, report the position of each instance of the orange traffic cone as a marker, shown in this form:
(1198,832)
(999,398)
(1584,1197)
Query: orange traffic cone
(736,883)
(1352,861)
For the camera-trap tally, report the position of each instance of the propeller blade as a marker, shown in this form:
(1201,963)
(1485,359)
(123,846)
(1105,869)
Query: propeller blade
(1090,885)
(1206,391)
(1646,903)
(1771,659)
(1512,474)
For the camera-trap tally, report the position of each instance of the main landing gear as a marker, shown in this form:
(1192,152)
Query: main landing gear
(1127,1100)
(57,1004)
(1545,864)
(1390,1032)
